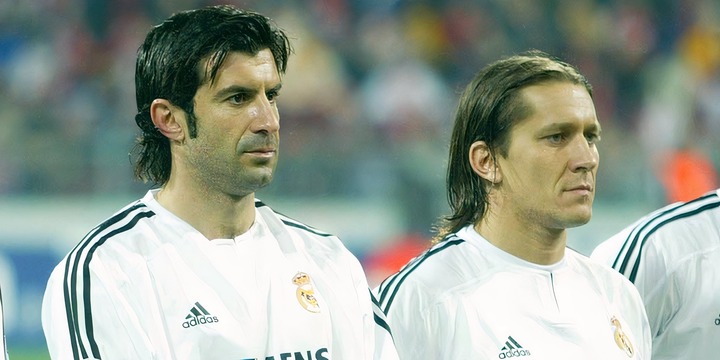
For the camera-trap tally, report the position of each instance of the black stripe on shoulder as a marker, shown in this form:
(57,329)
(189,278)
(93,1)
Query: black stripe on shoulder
(630,242)
(410,267)
(382,323)
(374,300)
(378,315)
(305,227)
(639,235)
(71,299)
(72,271)
(636,266)
(86,276)
(633,238)
(292,222)
(388,282)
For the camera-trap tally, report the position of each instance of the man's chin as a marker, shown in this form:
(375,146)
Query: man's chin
(579,219)
(251,182)
(264,181)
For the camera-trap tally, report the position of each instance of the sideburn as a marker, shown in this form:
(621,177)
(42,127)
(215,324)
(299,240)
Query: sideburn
(192,124)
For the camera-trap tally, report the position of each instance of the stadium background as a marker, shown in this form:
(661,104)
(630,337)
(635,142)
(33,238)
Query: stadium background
(366,112)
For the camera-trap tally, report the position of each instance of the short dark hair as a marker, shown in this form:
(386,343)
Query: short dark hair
(488,109)
(169,67)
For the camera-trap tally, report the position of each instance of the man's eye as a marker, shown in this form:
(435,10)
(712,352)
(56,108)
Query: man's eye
(238,98)
(593,138)
(272,95)
(556,138)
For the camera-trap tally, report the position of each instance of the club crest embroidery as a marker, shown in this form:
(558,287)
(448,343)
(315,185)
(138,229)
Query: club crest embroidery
(622,341)
(305,292)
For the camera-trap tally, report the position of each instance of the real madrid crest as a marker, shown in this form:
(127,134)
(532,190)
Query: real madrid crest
(622,341)
(305,292)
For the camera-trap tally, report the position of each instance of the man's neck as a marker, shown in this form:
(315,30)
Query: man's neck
(528,241)
(215,215)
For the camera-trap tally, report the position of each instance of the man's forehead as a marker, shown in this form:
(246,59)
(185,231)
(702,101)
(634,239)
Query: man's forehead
(213,65)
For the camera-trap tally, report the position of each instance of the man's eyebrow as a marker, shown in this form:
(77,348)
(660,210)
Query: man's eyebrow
(558,126)
(231,90)
(276,88)
(569,125)
(239,89)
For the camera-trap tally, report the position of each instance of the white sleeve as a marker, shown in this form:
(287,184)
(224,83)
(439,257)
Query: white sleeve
(659,289)
(651,279)
(55,320)
(88,316)
(415,326)
(656,288)
(384,342)
(638,320)
(379,343)
(608,251)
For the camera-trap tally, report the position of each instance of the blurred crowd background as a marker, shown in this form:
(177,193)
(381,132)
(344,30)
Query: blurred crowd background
(366,112)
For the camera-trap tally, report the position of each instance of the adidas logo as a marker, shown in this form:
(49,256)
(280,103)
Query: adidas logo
(198,316)
(512,349)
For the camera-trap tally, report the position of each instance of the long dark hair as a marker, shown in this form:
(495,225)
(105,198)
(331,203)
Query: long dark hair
(488,109)
(170,66)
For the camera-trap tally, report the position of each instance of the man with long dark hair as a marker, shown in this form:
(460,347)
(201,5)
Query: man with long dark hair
(500,282)
(199,268)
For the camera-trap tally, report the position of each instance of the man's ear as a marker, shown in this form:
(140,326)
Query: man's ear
(165,116)
(483,163)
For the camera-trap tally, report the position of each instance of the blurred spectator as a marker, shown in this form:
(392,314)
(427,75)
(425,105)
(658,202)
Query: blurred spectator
(391,257)
(368,99)
(686,174)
